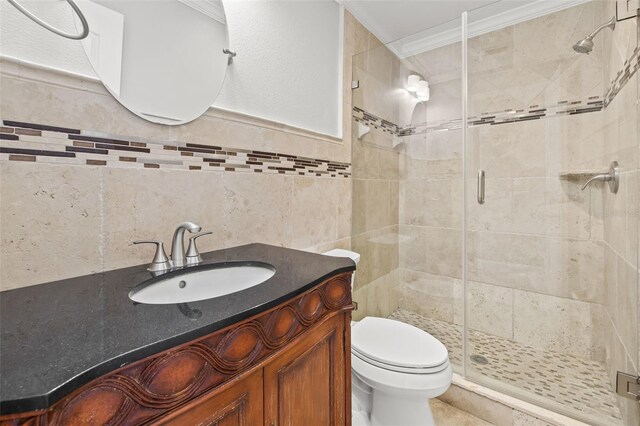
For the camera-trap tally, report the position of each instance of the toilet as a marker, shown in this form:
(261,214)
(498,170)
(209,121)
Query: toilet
(395,369)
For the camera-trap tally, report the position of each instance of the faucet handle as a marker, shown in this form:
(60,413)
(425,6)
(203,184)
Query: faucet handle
(160,260)
(193,255)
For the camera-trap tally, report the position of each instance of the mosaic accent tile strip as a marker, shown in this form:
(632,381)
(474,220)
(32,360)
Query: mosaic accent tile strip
(21,141)
(629,68)
(361,116)
(533,112)
(575,383)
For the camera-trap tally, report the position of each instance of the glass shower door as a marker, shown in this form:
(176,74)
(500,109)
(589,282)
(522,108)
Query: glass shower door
(548,264)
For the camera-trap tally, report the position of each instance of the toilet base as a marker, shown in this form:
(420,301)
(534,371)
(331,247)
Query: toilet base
(407,413)
(379,408)
(401,410)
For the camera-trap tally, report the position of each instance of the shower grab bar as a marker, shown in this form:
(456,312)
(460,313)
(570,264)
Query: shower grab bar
(481,186)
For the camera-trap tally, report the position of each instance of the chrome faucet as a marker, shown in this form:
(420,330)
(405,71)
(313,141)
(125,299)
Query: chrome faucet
(178,257)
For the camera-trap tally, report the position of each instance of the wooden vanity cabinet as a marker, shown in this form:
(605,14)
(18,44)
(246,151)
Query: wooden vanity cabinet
(306,384)
(289,365)
(237,403)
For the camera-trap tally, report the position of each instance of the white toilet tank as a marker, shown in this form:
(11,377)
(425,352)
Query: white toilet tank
(345,253)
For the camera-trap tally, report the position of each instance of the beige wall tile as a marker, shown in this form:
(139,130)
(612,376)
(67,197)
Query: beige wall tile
(444,154)
(260,208)
(575,269)
(379,253)
(444,252)
(610,278)
(413,160)
(633,212)
(343,213)
(315,206)
(445,101)
(427,294)
(553,323)
(62,106)
(490,309)
(372,205)
(620,216)
(436,203)
(412,241)
(383,300)
(509,260)
(50,224)
(377,298)
(600,321)
(615,217)
(624,311)
(440,64)
(513,149)
(545,206)
(149,204)
(615,353)
(511,205)
(569,211)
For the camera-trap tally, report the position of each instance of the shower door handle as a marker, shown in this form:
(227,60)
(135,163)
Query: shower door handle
(480,186)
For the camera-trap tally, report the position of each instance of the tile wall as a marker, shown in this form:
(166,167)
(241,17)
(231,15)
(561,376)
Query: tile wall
(375,174)
(620,211)
(68,208)
(536,244)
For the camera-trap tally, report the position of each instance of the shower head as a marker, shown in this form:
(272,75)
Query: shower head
(586,44)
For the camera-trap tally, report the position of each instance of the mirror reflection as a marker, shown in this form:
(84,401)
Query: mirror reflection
(161,59)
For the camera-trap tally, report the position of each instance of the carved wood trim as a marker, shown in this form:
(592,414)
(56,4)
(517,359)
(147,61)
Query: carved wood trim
(149,388)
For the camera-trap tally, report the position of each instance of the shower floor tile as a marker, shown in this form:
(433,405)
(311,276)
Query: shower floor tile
(577,384)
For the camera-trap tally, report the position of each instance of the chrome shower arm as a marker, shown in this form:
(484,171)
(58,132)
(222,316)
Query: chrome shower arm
(609,24)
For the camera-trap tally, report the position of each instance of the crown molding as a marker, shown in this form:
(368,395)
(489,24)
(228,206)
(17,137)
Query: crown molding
(451,33)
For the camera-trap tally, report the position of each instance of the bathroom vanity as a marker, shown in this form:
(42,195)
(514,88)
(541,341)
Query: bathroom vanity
(78,351)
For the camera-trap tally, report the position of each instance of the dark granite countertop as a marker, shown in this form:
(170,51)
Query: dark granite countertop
(56,337)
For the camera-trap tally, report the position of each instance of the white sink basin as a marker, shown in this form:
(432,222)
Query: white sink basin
(203,284)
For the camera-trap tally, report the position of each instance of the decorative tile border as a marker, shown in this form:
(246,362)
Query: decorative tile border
(30,142)
(629,68)
(533,112)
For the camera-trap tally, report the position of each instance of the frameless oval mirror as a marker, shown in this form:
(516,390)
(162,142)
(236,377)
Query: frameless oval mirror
(161,59)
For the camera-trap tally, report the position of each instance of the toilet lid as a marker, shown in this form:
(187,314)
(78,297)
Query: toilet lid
(395,343)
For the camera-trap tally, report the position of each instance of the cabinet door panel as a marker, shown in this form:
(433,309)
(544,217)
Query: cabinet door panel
(238,403)
(306,384)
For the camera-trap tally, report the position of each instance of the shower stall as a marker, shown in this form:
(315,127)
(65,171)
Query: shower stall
(469,209)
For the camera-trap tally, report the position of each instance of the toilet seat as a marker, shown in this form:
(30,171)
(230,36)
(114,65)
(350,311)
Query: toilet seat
(400,369)
(397,346)
(399,383)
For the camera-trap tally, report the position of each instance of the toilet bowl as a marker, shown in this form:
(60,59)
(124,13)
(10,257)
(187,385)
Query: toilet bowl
(395,369)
